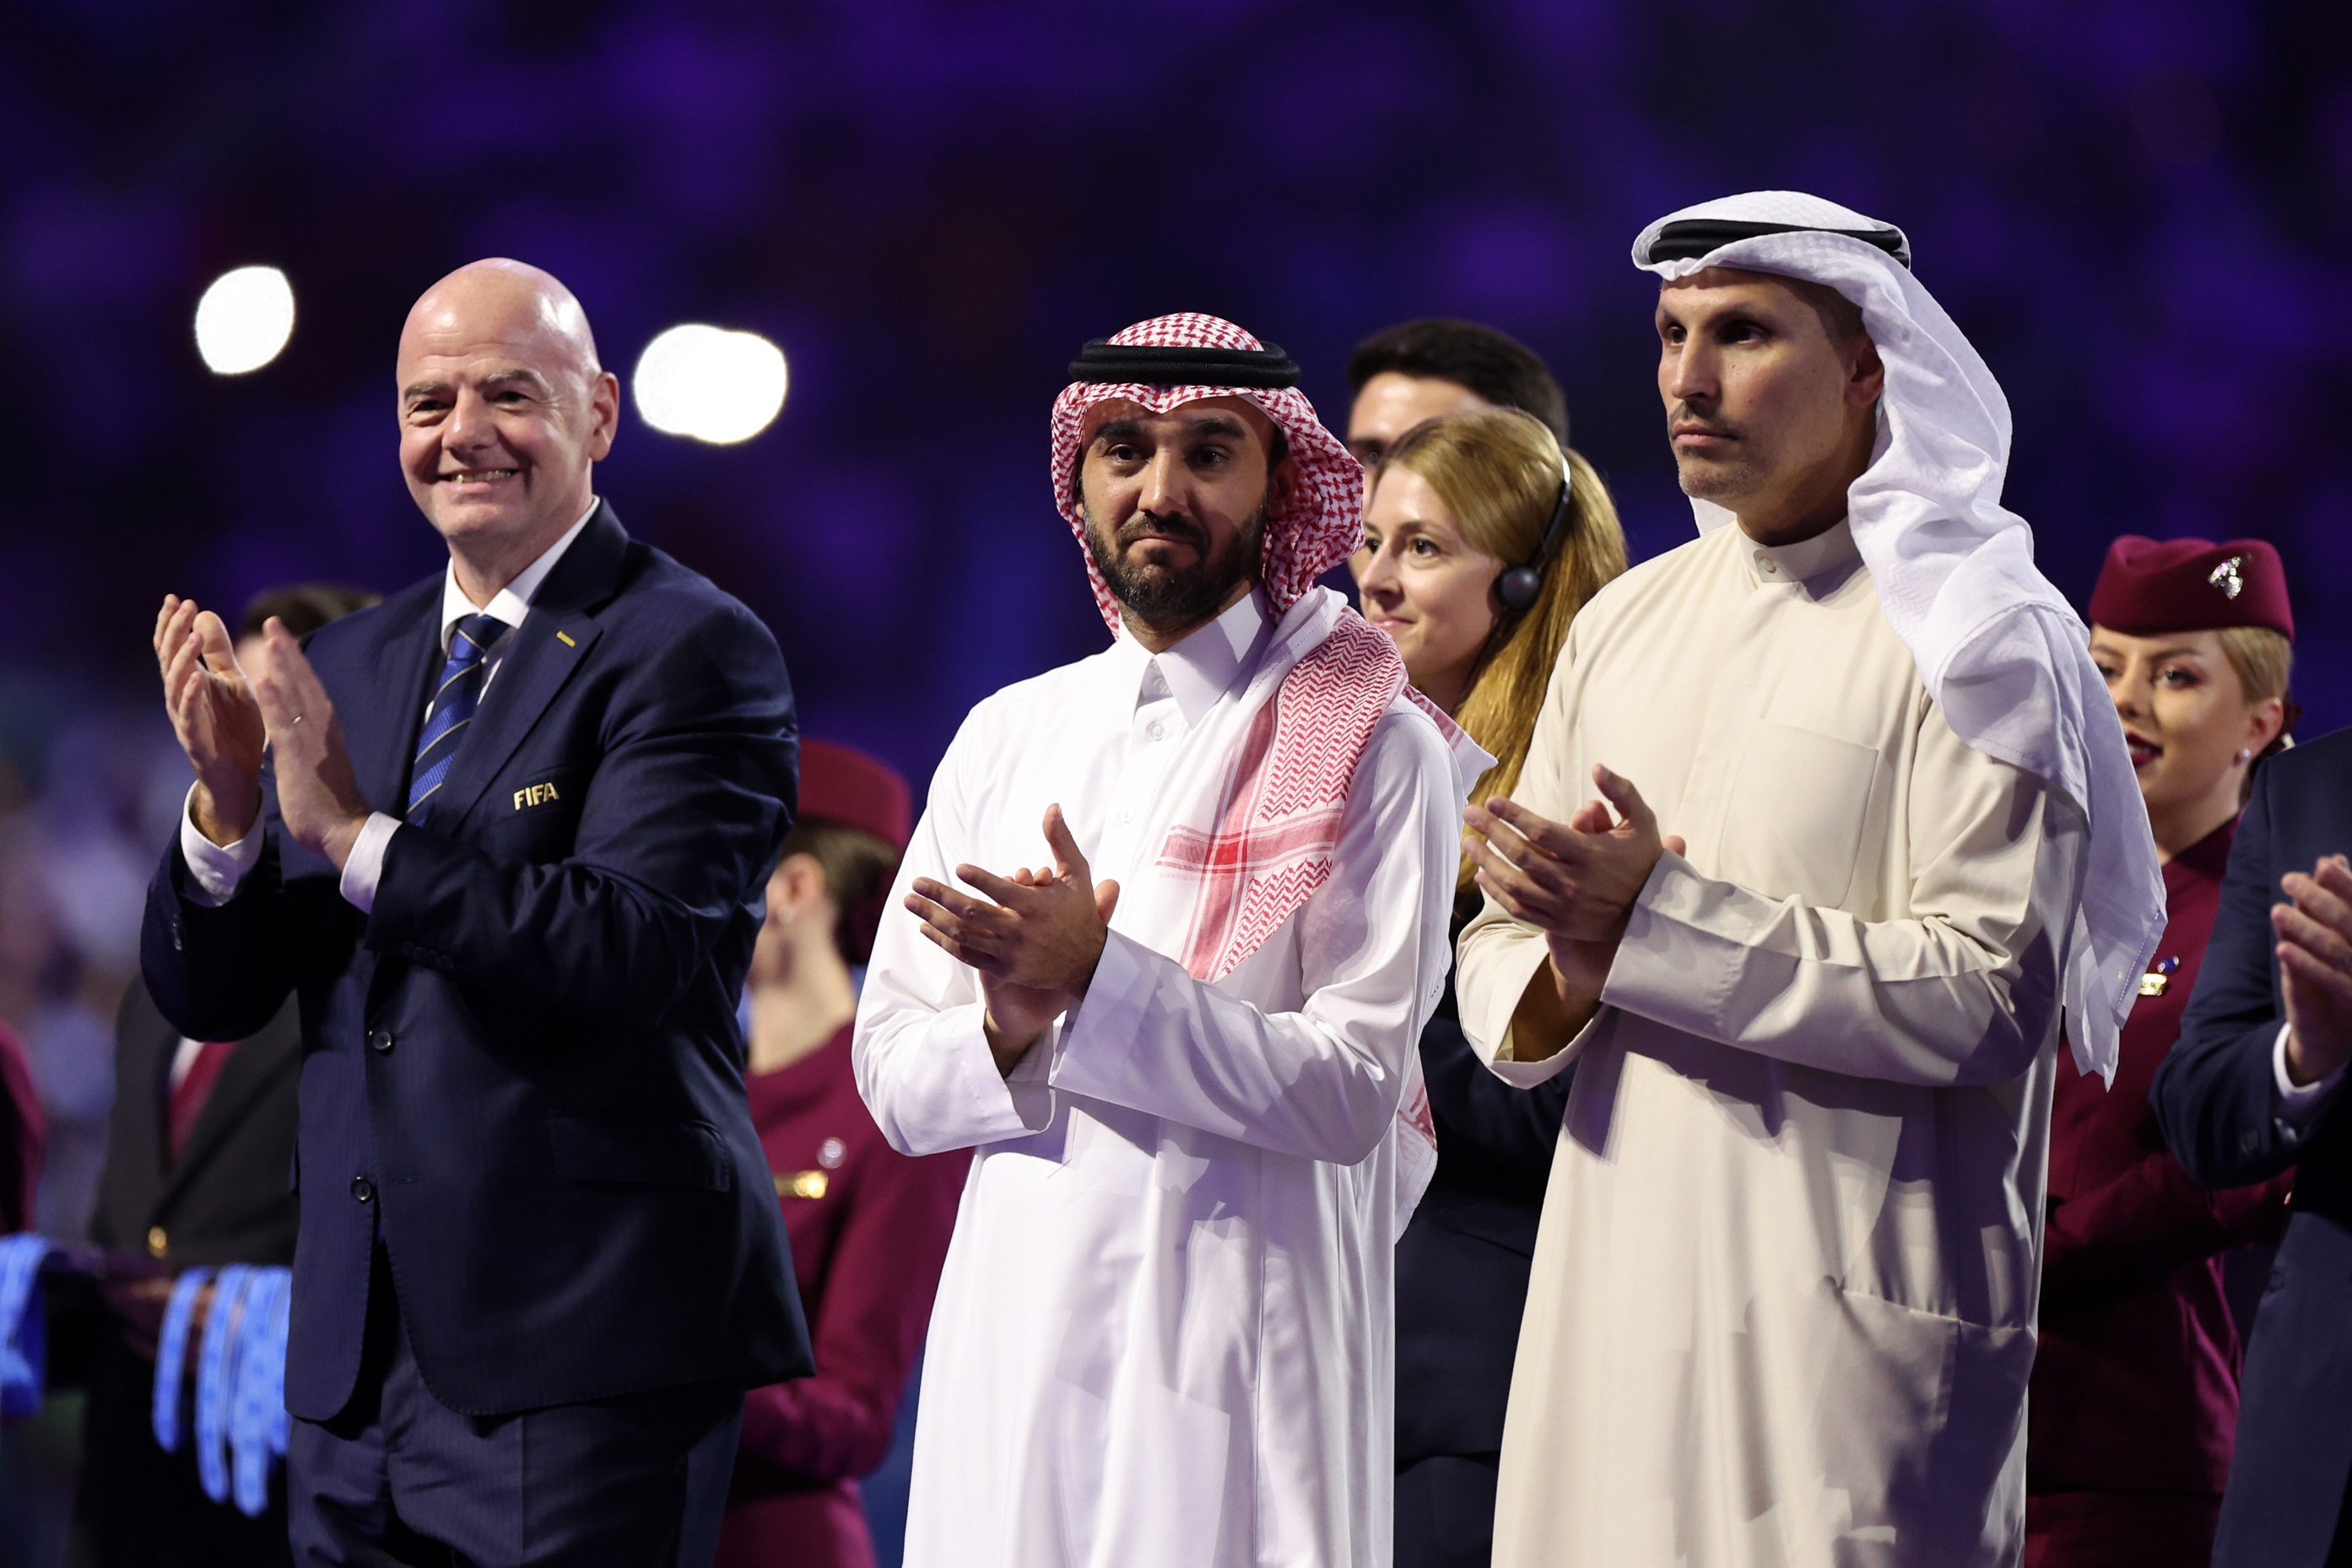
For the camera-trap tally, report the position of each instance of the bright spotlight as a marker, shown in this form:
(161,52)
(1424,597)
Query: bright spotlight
(244,320)
(709,384)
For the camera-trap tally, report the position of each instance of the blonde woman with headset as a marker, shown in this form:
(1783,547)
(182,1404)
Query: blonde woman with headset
(1482,539)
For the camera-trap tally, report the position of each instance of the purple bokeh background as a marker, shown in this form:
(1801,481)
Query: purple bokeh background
(2140,210)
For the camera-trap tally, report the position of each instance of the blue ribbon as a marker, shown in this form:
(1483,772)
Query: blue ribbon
(215,1377)
(23,1326)
(240,1365)
(172,1355)
(240,1401)
(258,1422)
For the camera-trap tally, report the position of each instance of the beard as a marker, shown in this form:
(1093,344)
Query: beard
(1170,597)
(1726,483)
(1723,477)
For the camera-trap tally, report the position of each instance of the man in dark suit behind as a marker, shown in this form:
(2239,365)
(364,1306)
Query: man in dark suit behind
(2255,1086)
(197,1150)
(189,1186)
(507,854)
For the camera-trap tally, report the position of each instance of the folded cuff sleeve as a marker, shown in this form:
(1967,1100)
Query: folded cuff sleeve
(364,869)
(216,868)
(2298,1102)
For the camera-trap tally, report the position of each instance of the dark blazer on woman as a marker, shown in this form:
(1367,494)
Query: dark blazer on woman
(1462,1286)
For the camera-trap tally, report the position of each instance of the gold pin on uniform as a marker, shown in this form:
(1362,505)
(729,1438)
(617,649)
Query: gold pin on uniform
(534,795)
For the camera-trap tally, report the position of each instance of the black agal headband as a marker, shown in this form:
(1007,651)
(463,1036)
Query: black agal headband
(1104,362)
(1693,237)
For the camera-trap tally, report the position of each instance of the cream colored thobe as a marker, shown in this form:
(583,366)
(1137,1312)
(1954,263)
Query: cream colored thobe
(1782,1305)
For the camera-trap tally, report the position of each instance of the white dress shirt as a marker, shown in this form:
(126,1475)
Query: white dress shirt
(1164,1334)
(2298,1102)
(217,868)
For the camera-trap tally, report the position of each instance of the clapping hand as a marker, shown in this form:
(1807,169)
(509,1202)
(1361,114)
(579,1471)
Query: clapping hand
(215,716)
(1574,882)
(318,795)
(1035,947)
(2315,954)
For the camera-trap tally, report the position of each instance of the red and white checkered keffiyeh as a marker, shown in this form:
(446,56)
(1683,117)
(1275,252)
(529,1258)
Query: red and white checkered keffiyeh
(1270,847)
(1319,527)
(1246,855)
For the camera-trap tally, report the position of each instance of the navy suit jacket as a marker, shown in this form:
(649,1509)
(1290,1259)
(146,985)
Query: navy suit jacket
(2217,1100)
(522,1071)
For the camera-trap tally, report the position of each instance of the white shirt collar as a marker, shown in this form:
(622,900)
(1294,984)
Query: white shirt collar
(1205,664)
(1803,561)
(510,604)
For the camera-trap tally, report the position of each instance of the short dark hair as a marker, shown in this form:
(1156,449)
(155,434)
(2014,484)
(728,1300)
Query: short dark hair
(1496,365)
(857,871)
(304,607)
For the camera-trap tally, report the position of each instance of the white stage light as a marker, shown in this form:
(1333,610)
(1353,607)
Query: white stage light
(244,320)
(710,383)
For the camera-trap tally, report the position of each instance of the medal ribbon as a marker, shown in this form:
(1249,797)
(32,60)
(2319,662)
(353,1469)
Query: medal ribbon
(23,1326)
(172,1356)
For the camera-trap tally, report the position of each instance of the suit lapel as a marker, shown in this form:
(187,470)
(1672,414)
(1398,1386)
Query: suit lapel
(143,1073)
(553,641)
(246,1073)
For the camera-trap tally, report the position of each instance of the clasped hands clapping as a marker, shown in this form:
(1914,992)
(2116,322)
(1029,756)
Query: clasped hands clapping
(226,718)
(1575,881)
(2315,954)
(1034,948)
(1036,937)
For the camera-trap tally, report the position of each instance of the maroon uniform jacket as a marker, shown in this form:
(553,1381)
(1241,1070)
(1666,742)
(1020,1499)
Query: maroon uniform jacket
(2135,1386)
(869,1230)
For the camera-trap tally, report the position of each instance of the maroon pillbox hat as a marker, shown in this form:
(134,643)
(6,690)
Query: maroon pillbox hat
(2190,586)
(843,785)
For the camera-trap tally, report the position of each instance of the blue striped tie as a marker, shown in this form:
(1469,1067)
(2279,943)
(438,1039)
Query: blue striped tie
(452,707)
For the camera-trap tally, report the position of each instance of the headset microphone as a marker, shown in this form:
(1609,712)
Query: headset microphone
(1519,586)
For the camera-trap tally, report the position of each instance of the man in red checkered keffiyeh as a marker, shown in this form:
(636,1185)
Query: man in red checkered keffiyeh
(1185,1051)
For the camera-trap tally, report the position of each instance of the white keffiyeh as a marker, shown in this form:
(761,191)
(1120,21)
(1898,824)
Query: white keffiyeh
(2003,655)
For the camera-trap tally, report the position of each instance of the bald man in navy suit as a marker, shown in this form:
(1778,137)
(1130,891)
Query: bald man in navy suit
(504,836)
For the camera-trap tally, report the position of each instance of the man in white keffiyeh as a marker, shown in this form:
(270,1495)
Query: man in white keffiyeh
(1184,1053)
(1782,1306)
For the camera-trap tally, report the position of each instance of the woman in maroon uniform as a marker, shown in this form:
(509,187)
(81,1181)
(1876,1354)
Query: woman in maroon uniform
(869,1227)
(2134,1406)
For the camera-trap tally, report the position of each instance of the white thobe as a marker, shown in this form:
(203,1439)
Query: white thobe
(1164,1338)
(1782,1302)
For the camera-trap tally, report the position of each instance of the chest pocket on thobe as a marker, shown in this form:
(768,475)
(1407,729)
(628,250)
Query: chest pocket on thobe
(1799,810)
